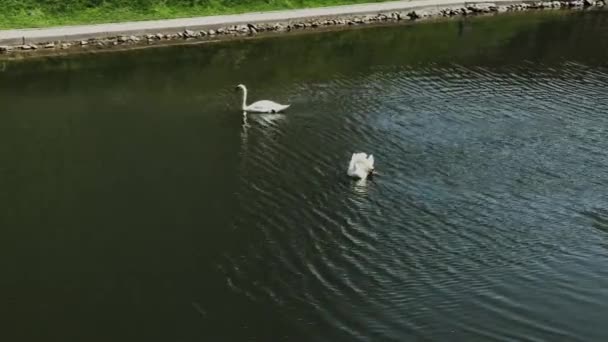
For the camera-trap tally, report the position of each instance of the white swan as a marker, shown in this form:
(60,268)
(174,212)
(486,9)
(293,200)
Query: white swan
(361,165)
(263,106)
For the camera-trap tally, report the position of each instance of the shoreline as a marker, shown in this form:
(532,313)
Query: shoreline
(23,43)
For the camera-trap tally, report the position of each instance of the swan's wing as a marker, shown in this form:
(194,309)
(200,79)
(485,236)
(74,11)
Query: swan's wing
(358,157)
(266,106)
(260,106)
(370,161)
(351,165)
(264,103)
(360,173)
(356,170)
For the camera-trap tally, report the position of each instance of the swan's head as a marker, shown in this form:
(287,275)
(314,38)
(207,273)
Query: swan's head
(240,86)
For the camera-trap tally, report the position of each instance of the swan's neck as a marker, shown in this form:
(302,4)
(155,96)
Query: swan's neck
(244,98)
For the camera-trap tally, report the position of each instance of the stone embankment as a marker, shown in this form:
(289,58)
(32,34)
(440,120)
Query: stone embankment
(251,29)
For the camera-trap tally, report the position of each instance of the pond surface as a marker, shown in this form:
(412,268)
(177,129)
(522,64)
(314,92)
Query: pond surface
(138,205)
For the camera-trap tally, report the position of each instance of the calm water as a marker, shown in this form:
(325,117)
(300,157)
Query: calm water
(137,205)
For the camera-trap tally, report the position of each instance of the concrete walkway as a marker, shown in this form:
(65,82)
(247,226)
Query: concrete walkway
(82,32)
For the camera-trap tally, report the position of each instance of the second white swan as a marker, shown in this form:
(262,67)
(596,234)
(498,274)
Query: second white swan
(361,165)
(263,106)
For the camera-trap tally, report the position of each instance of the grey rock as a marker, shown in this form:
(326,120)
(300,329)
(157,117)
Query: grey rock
(436,12)
(414,15)
(159,36)
(486,7)
(203,33)
(49,46)
(212,32)
(189,33)
(25,47)
(5,48)
(122,39)
(134,38)
(65,46)
(241,29)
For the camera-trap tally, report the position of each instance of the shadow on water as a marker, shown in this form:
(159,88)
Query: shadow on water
(138,203)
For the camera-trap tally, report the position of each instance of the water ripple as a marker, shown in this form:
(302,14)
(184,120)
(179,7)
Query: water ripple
(475,205)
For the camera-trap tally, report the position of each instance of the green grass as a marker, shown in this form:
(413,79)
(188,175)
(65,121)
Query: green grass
(45,13)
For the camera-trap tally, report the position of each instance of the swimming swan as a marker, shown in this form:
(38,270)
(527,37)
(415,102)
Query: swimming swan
(361,165)
(263,106)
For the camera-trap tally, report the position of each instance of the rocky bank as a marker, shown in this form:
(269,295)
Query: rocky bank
(252,29)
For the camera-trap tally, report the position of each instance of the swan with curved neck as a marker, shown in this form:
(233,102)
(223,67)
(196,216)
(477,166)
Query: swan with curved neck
(263,106)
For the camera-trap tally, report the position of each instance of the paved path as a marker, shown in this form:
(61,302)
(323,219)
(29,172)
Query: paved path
(70,33)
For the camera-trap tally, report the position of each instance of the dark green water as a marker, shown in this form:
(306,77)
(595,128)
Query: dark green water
(137,205)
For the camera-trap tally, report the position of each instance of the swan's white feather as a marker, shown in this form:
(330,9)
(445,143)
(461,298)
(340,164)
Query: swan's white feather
(361,165)
(266,106)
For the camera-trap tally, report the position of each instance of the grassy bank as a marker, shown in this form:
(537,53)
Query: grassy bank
(45,13)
